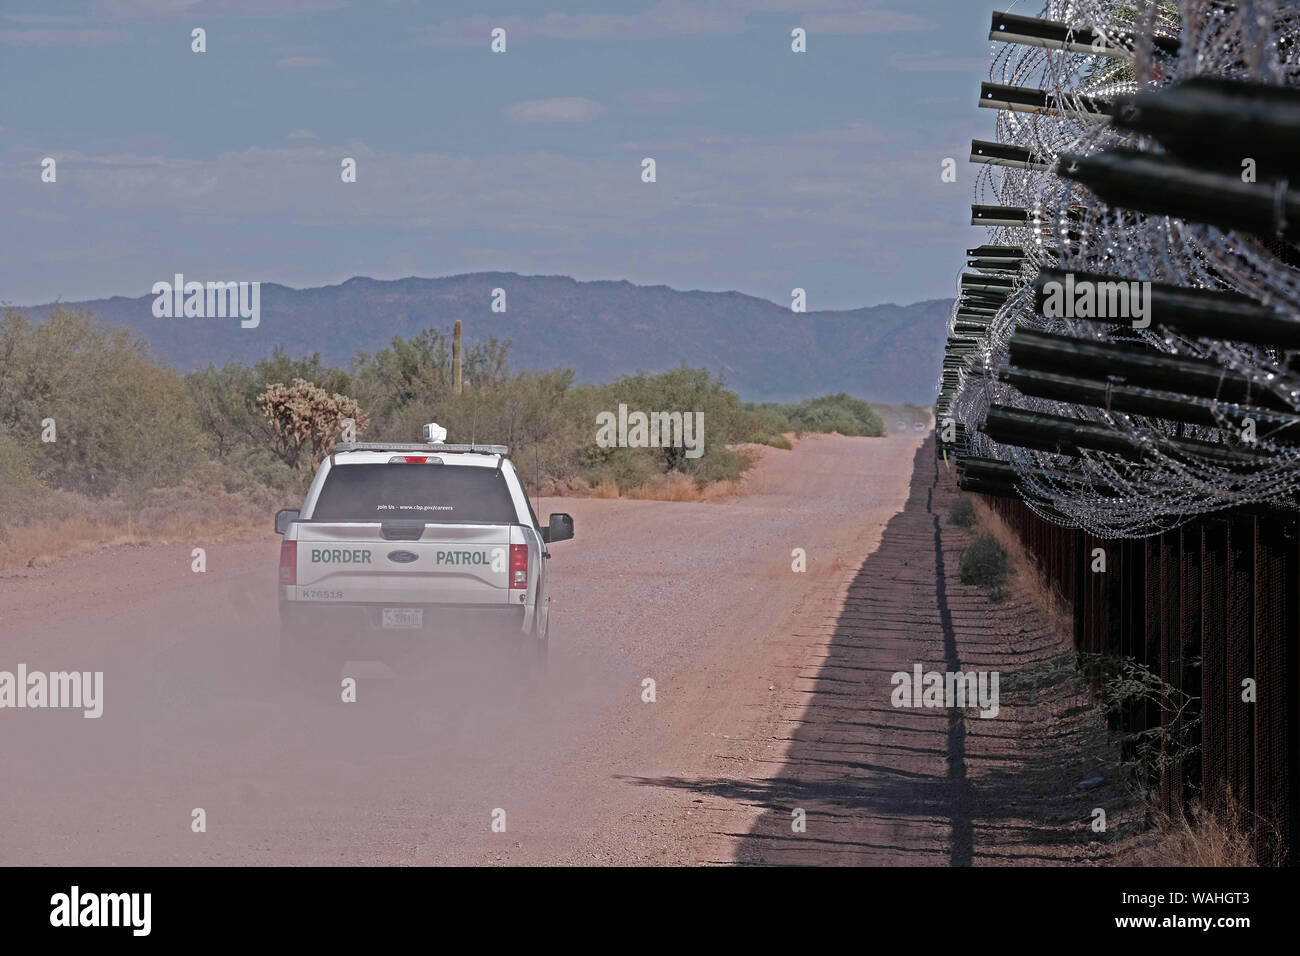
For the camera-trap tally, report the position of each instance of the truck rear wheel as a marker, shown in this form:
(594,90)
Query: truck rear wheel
(290,658)
(302,657)
(540,639)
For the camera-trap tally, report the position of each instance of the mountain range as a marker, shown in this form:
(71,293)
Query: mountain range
(602,330)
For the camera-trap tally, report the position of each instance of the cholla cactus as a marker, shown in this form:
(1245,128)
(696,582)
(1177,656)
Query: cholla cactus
(306,419)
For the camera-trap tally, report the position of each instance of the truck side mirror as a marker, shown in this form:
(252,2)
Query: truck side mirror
(285,517)
(560,528)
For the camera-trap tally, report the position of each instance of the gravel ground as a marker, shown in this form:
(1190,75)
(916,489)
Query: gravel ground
(771,693)
(881,785)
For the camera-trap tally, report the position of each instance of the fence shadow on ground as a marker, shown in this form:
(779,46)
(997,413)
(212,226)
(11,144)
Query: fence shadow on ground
(880,785)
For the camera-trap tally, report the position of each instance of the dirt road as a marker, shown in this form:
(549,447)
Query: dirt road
(700,598)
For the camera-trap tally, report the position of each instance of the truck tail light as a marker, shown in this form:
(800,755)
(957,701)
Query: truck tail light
(518,566)
(288,562)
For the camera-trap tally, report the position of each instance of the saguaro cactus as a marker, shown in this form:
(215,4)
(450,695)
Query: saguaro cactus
(455,359)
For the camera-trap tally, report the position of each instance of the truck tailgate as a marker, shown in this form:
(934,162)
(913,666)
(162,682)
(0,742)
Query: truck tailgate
(403,562)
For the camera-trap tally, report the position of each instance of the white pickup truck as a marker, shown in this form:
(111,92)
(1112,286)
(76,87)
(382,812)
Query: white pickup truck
(403,542)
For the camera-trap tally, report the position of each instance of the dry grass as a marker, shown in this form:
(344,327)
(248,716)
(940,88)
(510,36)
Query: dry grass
(607,488)
(720,490)
(681,488)
(42,544)
(674,487)
(1206,838)
(1025,580)
(63,525)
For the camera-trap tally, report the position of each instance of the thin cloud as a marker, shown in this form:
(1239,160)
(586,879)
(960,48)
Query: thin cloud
(572,109)
(166,9)
(143,9)
(674,18)
(299,62)
(852,22)
(735,197)
(828,180)
(52,38)
(47,19)
(303,134)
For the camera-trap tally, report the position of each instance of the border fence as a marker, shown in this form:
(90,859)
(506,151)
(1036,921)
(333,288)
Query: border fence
(1121,380)
(1208,607)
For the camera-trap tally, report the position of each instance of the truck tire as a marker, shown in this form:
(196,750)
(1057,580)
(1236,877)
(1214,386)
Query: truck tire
(298,658)
(288,661)
(541,644)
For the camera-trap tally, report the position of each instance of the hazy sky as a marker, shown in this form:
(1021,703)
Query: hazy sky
(775,169)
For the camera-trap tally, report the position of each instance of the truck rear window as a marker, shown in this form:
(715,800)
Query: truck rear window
(444,493)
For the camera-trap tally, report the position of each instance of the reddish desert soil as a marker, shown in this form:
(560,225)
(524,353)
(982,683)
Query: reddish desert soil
(772,694)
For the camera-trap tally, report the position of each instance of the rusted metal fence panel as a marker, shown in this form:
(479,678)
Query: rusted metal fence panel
(1189,655)
(1147,713)
(1239,718)
(1214,661)
(1274,729)
(1213,608)
(1170,664)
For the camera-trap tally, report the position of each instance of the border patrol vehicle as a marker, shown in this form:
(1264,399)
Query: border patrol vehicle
(400,543)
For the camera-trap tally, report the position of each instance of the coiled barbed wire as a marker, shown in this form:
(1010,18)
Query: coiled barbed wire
(1253,40)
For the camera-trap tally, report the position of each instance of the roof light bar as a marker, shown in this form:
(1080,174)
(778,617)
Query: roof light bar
(419,446)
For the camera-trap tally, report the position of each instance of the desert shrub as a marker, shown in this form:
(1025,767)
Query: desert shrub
(235,431)
(224,406)
(763,422)
(1127,685)
(985,564)
(626,468)
(537,414)
(685,390)
(25,499)
(837,413)
(415,373)
(127,425)
(203,505)
(120,420)
(962,513)
(252,469)
(281,367)
(830,413)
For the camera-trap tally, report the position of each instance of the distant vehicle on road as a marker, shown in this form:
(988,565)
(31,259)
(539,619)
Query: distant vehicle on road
(403,541)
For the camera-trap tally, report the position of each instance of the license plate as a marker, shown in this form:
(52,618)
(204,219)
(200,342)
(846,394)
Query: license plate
(403,617)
